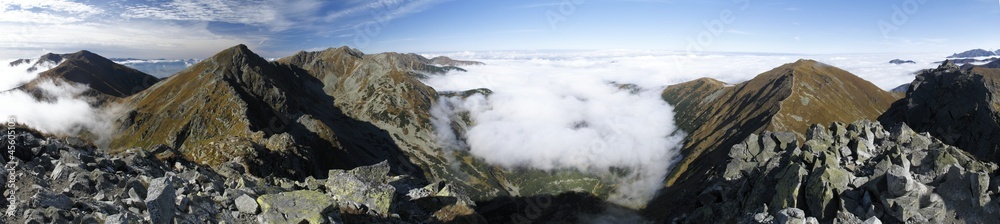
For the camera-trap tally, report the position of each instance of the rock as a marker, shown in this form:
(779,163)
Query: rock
(790,216)
(47,199)
(872,220)
(295,207)
(369,190)
(247,204)
(899,181)
(160,200)
(824,184)
(788,187)
(121,218)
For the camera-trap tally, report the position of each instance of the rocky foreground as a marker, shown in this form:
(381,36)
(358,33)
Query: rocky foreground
(856,173)
(67,180)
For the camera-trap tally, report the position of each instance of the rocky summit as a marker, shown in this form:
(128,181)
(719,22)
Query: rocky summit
(788,98)
(848,173)
(960,106)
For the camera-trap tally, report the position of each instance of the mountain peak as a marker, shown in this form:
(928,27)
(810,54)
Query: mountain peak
(100,74)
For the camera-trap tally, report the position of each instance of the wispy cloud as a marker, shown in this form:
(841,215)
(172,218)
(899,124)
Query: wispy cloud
(793,9)
(275,15)
(46,12)
(386,9)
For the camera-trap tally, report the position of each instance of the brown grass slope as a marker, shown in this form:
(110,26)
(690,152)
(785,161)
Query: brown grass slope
(237,105)
(787,98)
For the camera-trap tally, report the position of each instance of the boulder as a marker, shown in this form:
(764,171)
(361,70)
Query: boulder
(160,200)
(296,207)
(363,185)
(247,204)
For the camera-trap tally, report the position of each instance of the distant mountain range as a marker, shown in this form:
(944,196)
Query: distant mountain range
(157,67)
(343,136)
(975,53)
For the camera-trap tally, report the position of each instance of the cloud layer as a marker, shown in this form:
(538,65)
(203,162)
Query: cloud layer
(566,110)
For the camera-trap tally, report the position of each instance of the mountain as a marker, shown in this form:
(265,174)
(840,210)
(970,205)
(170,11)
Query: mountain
(899,61)
(238,106)
(45,62)
(974,53)
(901,89)
(157,67)
(787,98)
(106,80)
(959,106)
(384,89)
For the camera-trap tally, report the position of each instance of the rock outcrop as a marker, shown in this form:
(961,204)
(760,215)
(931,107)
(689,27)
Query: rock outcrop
(960,106)
(785,99)
(67,180)
(849,173)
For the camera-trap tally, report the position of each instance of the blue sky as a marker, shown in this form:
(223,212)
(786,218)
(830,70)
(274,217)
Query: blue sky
(198,28)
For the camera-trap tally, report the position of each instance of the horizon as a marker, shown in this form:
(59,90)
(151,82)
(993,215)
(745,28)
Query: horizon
(180,29)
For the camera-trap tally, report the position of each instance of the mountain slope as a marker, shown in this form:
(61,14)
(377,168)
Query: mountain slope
(98,73)
(385,89)
(974,53)
(959,106)
(786,98)
(237,105)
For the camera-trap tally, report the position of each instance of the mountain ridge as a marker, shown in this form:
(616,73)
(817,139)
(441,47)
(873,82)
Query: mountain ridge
(787,98)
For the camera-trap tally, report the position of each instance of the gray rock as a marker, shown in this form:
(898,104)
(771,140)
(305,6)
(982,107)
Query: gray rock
(369,189)
(790,216)
(45,199)
(295,207)
(872,220)
(247,204)
(899,181)
(122,218)
(160,200)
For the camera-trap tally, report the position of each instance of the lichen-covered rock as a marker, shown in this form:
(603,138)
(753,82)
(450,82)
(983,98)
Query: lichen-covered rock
(363,185)
(296,207)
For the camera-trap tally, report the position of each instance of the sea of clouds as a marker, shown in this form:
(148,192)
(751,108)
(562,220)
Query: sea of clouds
(563,110)
(62,114)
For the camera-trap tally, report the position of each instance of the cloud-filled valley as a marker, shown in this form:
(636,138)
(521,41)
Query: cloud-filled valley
(574,110)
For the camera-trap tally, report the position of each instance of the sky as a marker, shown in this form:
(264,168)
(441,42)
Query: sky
(273,28)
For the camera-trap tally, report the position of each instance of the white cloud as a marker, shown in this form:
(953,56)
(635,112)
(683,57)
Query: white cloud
(46,11)
(15,76)
(65,115)
(133,37)
(556,110)
(276,15)
(384,9)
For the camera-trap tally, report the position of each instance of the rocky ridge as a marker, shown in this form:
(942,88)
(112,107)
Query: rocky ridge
(788,98)
(68,180)
(850,173)
(960,106)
